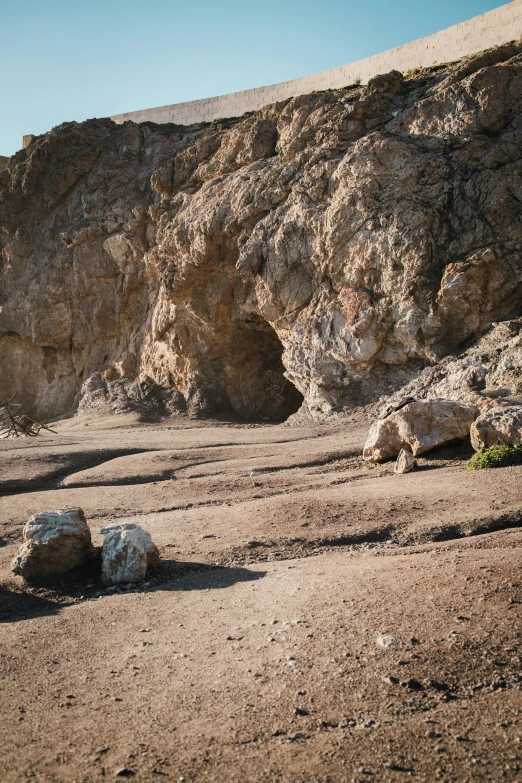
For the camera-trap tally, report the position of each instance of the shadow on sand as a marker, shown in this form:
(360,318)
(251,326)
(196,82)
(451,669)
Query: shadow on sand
(172,575)
(18,605)
(49,598)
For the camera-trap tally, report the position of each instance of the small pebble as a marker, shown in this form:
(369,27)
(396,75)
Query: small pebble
(412,684)
(386,641)
(390,680)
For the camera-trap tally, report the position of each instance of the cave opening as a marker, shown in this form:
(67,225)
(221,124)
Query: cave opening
(257,384)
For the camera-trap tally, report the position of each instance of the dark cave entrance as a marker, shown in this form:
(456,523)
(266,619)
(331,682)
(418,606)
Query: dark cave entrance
(257,386)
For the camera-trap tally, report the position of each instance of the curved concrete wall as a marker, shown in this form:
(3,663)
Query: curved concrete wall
(490,29)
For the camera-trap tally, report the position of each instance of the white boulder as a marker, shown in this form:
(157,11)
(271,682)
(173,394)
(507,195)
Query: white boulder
(54,542)
(127,552)
(406,462)
(498,425)
(418,427)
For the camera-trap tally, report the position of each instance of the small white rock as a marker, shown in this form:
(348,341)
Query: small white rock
(406,462)
(386,641)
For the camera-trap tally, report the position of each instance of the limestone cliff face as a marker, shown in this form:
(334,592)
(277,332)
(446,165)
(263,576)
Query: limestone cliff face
(324,249)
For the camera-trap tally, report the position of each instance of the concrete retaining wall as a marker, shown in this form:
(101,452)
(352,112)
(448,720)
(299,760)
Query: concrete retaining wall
(490,29)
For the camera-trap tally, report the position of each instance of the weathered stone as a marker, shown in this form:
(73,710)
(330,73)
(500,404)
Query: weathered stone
(487,373)
(127,553)
(418,427)
(497,425)
(55,542)
(321,250)
(406,462)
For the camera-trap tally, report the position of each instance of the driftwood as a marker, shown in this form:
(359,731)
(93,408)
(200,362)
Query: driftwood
(15,424)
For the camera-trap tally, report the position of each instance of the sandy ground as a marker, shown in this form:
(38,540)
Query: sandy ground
(251,653)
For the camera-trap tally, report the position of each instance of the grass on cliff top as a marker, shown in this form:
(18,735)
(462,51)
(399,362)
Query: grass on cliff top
(357,83)
(171,128)
(227,120)
(167,128)
(501,456)
(429,69)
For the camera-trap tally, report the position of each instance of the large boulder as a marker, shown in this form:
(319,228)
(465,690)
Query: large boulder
(419,427)
(497,425)
(127,553)
(55,542)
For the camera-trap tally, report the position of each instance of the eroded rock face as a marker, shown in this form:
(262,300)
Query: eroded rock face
(55,542)
(488,374)
(417,428)
(127,553)
(498,425)
(323,249)
(105,392)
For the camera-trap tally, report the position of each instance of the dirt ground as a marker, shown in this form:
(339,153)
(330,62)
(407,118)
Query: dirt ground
(251,653)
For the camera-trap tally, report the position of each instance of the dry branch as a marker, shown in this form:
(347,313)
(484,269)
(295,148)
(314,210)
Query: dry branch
(15,424)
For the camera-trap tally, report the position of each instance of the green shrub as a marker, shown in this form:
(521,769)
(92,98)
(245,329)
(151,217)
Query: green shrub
(166,128)
(225,120)
(501,456)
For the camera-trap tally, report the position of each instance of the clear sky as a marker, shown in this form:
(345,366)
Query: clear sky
(74,59)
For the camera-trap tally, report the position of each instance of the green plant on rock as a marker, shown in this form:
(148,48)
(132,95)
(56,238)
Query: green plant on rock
(226,120)
(167,128)
(501,456)
(412,73)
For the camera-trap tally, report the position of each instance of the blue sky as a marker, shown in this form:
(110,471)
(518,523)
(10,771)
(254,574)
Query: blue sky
(70,59)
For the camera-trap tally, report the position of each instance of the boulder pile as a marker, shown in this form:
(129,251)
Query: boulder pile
(419,427)
(423,425)
(58,542)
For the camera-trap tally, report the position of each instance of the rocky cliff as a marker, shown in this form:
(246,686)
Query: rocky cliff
(326,249)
